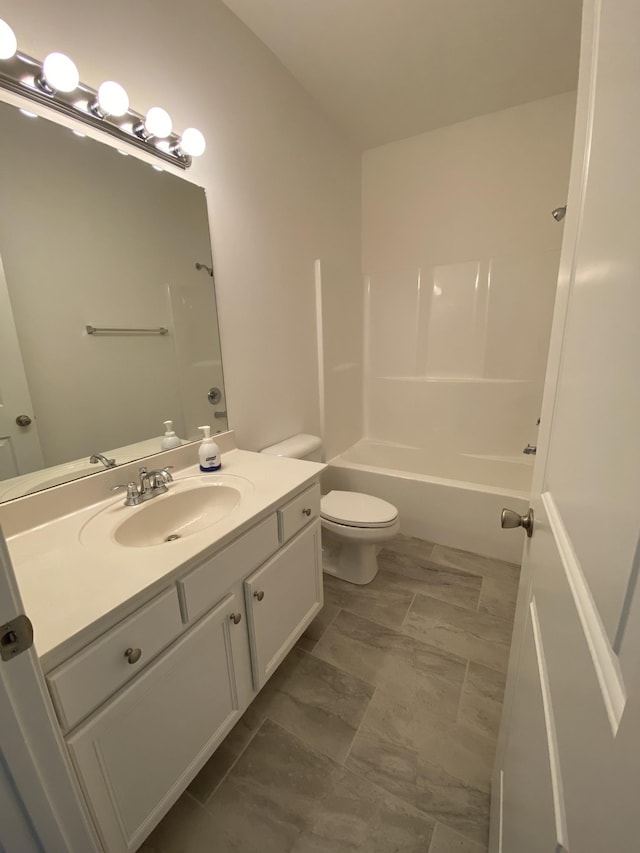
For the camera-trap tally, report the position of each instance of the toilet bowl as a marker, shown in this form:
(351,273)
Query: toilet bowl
(353,527)
(353,524)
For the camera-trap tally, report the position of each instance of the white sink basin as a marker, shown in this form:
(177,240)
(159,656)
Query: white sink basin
(190,506)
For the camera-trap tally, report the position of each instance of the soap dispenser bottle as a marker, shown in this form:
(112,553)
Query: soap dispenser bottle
(169,439)
(209,452)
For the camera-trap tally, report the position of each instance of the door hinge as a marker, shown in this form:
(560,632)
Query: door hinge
(16,636)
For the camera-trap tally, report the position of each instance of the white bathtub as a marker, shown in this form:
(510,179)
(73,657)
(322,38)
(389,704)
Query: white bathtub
(450,498)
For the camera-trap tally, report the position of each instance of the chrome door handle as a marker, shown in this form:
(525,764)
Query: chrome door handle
(510,518)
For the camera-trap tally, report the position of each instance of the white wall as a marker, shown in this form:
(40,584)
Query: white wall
(461,256)
(283,184)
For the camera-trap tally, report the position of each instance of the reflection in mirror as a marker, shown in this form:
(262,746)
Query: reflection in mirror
(92,238)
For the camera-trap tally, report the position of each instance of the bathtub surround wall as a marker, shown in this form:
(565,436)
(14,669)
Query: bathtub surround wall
(282,183)
(461,257)
(339,360)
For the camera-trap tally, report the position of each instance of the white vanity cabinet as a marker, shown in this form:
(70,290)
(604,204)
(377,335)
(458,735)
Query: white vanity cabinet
(140,722)
(282,597)
(137,754)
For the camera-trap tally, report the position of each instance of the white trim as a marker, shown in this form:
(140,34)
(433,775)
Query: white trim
(559,812)
(501,812)
(320,352)
(605,660)
(579,174)
(366,353)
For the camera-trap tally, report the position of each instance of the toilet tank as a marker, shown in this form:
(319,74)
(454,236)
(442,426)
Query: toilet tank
(300,446)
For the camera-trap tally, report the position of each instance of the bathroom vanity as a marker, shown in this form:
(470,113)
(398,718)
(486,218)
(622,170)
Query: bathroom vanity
(153,649)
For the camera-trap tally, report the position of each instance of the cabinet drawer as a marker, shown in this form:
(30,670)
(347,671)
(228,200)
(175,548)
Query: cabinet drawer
(87,679)
(204,586)
(282,597)
(299,512)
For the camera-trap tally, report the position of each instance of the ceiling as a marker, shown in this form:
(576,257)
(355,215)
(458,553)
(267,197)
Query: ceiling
(388,69)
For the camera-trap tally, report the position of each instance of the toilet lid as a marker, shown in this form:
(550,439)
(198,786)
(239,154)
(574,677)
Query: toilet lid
(357,510)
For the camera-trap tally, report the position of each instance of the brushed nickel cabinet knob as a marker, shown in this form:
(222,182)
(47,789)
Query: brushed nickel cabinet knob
(259,595)
(133,655)
(235,618)
(307,511)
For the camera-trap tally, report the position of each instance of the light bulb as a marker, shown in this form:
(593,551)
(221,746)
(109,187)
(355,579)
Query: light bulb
(60,73)
(193,142)
(112,99)
(158,122)
(8,41)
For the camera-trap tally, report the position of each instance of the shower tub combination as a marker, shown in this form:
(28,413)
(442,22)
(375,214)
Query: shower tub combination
(450,498)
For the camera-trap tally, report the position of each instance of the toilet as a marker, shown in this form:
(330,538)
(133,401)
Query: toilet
(353,524)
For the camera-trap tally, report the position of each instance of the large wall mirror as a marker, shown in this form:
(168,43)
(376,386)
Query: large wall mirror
(92,238)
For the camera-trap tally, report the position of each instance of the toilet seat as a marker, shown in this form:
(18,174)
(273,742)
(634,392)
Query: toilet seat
(354,509)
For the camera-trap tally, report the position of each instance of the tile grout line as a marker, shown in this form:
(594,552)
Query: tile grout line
(326,628)
(406,615)
(368,618)
(480,595)
(359,775)
(357,731)
(464,684)
(399,798)
(430,647)
(427,591)
(231,766)
(346,769)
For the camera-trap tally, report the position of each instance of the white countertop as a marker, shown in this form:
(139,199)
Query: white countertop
(71,590)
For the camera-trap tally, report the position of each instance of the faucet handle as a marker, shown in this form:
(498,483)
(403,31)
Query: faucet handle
(133,495)
(159,479)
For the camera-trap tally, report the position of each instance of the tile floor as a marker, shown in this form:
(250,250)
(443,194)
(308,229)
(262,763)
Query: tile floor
(378,732)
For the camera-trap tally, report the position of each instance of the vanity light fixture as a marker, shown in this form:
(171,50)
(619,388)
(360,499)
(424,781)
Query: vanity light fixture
(56,84)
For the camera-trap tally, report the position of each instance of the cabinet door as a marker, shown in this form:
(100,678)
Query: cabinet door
(282,597)
(137,754)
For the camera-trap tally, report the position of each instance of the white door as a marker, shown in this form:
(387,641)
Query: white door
(20,451)
(567,775)
(35,772)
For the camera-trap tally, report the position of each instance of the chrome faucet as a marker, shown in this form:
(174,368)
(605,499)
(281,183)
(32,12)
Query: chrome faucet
(98,457)
(152,484)
(530,450)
